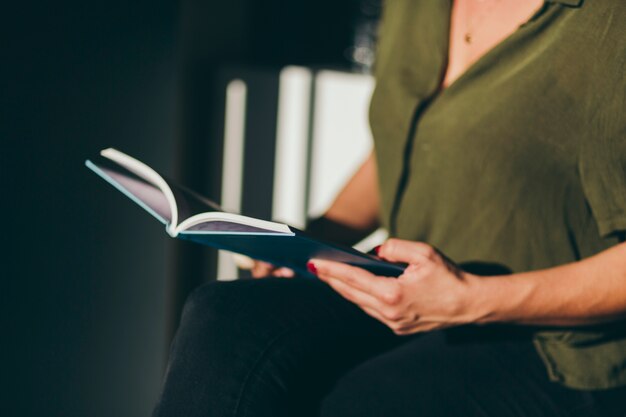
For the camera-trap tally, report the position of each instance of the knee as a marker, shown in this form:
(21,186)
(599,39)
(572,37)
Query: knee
(247,304)
(211,302)
(204,299)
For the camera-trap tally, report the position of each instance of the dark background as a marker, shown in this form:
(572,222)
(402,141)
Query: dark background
(87,278)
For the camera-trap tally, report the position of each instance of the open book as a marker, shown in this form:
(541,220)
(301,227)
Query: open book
(187,215)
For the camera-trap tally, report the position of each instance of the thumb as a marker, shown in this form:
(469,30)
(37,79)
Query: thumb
(399,250)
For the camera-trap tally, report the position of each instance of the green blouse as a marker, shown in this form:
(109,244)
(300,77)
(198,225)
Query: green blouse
(520,162)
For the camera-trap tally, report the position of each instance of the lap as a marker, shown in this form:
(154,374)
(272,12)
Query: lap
(276,347)
(430,375)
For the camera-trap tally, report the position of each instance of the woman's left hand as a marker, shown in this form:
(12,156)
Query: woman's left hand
(432,293)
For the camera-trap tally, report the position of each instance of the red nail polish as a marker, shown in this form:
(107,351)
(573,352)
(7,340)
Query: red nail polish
(311,267)
(377,249)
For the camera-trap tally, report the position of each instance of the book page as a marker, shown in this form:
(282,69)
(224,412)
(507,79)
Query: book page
(190,203)
(139,190)
(229,227)
(221,222)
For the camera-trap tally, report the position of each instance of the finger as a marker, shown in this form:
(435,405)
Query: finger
(283,273)
(397,327)
(398,250)
(261,269)
(359,298)
(420,327)
(375,314)
(414,270)
(242,261)
(384,289)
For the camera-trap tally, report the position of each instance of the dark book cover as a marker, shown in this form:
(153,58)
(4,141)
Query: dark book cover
(189,216)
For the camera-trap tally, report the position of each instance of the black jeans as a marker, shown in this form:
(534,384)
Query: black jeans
(281,347)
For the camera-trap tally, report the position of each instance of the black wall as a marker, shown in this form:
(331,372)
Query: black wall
(84,272)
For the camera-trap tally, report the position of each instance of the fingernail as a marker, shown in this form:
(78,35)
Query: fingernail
(311,267)
(377,249)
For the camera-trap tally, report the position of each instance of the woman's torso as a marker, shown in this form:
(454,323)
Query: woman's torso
(515,161)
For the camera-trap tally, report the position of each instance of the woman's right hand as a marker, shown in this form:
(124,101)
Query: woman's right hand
(262,269)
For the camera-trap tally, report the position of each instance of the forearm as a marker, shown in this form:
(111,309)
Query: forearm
(581,293)
(357,205)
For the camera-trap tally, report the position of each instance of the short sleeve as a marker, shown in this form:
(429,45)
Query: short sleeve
(602,164)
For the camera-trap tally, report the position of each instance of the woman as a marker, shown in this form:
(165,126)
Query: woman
(500,133)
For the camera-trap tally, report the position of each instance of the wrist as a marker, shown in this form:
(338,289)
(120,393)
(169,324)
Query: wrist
(501,298)
(479,301)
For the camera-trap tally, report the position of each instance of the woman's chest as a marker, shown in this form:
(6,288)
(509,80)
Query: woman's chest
(476,27)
